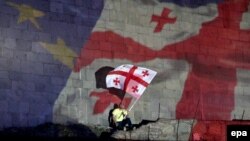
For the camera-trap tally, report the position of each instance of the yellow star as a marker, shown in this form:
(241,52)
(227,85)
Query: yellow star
(61,52)
(27,13)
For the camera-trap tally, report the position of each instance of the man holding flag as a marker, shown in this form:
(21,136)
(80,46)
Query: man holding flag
(121,119)
(132,80)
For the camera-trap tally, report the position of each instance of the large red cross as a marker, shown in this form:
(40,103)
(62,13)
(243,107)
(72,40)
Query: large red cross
(162,20)
(130,75)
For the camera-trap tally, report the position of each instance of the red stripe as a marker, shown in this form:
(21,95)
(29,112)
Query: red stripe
(128,78)
(130,75)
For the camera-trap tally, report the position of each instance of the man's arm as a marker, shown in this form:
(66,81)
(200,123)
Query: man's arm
(125,112)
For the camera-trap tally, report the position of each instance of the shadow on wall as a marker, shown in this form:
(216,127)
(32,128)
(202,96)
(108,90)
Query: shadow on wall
(100,76)
(110,95)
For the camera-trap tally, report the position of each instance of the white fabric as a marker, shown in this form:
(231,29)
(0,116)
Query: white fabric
(134,86)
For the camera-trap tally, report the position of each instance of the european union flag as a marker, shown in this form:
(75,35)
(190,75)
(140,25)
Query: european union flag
(39,43)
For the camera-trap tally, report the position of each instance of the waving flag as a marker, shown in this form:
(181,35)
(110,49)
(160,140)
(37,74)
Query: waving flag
(140,32)
(131,79)
(178,38)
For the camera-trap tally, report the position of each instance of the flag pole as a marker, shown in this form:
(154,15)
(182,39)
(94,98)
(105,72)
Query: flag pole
(133,104)
(124,94)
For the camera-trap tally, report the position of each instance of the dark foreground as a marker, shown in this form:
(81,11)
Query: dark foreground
(50,131)
(58,132)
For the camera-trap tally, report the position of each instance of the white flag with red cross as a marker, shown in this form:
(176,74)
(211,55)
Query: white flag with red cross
(132,79)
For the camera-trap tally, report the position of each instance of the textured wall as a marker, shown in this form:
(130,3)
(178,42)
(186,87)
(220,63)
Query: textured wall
(51,50)
(39,43)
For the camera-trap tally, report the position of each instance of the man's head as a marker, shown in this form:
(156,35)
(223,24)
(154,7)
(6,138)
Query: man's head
(116,106)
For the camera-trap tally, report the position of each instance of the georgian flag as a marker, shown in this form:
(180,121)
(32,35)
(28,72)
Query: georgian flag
(132,79)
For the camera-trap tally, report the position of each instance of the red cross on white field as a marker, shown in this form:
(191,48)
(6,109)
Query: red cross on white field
(135,89)
(130,78)
(116,81)
(162,20)
(145,73)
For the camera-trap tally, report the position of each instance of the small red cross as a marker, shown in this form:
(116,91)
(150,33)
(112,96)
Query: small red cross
(135,89)
(145,73)
(116,81)
(162,20)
